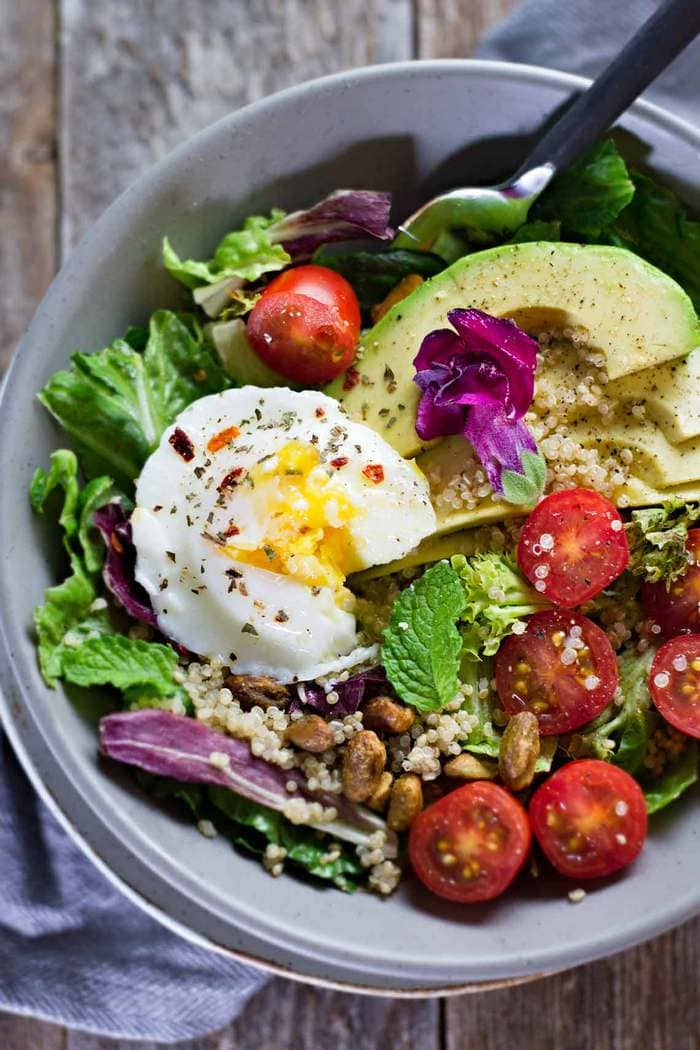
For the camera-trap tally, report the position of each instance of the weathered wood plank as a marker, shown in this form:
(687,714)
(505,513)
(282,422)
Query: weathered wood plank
(290,1016)
(27,163)
(26,1033)
(453,28)
(140,76)
(643,999)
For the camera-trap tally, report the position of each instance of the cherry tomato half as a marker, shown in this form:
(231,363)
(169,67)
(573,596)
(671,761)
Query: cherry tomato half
(306,324)
(590,818)
(470,845)
(562,668)
(677,610)
(573,545)
(674,681)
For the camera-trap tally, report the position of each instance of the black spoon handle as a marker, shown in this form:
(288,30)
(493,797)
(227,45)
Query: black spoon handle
(648,53)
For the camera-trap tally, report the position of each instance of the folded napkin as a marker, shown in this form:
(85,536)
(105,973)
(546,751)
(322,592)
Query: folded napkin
(72,949)
(582,36)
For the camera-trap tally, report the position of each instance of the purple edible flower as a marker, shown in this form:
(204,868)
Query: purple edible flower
(120,564)
(175,746)
(343,216)
(478,380)
(351,693)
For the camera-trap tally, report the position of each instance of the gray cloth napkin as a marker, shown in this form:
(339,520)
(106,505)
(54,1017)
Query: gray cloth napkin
(75,951)
(582,36)
(72,949)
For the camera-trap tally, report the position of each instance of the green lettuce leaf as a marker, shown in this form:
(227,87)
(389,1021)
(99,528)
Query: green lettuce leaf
(657,537)
(256,826)
(66,606)
(116,403)
(590,195)
(68,611)
(538,230)
(496,596)
(374,274)
(655,224)
(421,650)
(245,254)
(621,733)
(676,779)
(125,663)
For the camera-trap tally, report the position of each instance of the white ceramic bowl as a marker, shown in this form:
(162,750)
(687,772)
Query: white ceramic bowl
(409,128)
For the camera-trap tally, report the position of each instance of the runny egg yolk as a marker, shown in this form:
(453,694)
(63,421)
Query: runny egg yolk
(306,513)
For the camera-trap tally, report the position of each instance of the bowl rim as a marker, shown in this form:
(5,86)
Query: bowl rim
(25,735)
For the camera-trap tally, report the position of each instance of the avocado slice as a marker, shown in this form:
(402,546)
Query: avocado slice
(637,316)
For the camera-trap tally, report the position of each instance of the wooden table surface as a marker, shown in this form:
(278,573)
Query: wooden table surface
(92,92)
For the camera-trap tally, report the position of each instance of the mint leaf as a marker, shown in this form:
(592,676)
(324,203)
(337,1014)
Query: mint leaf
(116,403)
(525,488)
(122,662)
(422,644)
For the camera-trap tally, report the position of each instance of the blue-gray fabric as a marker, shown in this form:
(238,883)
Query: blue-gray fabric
(72,949)
(582,36)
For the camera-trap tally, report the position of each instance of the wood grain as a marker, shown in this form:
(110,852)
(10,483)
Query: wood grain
(27,163)
(643,999)
(453,28)
(140,76)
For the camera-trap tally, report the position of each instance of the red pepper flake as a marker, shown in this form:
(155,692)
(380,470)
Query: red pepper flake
(374,472)
(339,461)
(182,444)
(352,378)
(320,412)
(199,376)
(231,479)
(222,439)
(116,544)
(232,530)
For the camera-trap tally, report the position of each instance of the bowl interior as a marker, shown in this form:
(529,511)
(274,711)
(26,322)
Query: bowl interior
(411,129)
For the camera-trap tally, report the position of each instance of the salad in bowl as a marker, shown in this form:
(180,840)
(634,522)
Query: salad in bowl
(387,555)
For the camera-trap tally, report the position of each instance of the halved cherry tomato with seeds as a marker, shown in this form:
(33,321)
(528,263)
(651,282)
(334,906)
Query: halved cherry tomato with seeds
(470,844)
(306,324)
(562,668)
(677,610)
(590,818)
(572,546)
(674,682)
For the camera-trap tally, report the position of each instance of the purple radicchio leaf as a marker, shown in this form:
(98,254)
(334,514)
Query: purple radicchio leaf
(351,693)
(343,216)
(478,379)
(175,746)
(120,563)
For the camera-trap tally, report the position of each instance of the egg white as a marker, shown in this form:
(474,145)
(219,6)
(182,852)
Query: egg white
(256,620)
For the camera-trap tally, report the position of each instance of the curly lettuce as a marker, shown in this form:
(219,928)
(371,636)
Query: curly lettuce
(116,403)
(497,596)
(657,539)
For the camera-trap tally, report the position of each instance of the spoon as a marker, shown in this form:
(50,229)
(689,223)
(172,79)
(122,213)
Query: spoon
(487,213)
